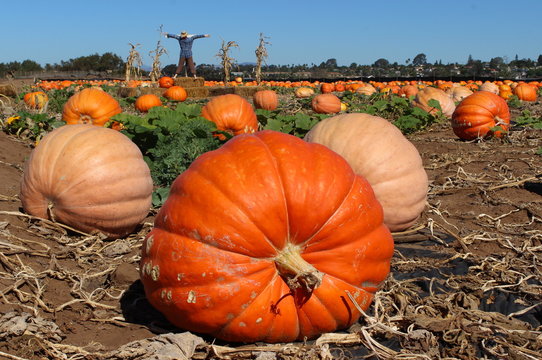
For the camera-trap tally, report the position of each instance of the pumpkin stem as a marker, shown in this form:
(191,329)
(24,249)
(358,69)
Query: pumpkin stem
(296,270)
(85,119)
(50,207)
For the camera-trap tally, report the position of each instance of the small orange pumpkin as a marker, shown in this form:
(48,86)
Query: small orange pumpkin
(478,113)
(166,82)
(265,99)
(525,92)
(176,93)
(90,106)
(408,91)
(36,99)
(326,88)
(231,113)
(147,101)
(326,104)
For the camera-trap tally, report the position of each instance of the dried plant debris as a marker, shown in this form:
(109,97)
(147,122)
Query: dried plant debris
(465,282)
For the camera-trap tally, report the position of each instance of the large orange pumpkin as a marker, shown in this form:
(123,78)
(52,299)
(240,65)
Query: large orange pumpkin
(478,113)
(91,178)
(432,93)
(145,102)
(90,106)
(176,93)
(377,150)
(268,255)
(326,104)
(525,92)
(36,99)
(231,113)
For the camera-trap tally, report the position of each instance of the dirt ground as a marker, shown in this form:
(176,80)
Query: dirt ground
(465,283)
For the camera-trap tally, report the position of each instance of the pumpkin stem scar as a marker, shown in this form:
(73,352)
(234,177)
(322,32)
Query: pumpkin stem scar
(297,272)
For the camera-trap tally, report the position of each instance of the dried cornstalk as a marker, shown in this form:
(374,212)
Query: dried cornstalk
(155,54)
(133,58)
(226,61)
(261,55)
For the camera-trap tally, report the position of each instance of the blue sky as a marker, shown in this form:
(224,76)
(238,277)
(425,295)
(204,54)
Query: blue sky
(300,32)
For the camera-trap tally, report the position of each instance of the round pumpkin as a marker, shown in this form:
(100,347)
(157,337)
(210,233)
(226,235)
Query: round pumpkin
(432,93)
(525,92)
(36,99)
(458,93)
(478,113)
(166,82)
(90,106)
(489,87)
(145,102)
(326,88)
(326,104)
(408,91)
(176,93)
(91,178)
(377,150)
(303,92)
(268,255)
(265,99)
(366,90)
(231,113)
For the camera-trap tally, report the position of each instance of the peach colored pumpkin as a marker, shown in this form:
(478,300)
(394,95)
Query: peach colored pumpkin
(424,95)
(91,178)
(303,92)
(489,87)
(366,90)
(378,151)
(458,93)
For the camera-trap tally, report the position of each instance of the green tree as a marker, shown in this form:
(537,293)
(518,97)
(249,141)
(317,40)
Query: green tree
(381,63)
(420,59)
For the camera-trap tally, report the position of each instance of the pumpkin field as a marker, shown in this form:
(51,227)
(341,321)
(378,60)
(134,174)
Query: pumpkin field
(192,219)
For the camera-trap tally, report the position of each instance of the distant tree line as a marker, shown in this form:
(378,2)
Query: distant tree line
(417,67)
(107,62)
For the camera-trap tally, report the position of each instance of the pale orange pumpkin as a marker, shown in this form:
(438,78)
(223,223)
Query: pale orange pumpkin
(90,106)
(489,87)
(378,151)
(92,178)
(366,90)
(303,92)
(458,93)
(424,95)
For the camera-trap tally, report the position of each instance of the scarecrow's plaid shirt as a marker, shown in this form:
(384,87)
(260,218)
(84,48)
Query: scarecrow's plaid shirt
(186,43)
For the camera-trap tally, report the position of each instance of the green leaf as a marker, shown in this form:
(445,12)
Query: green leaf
(274,124)
(434,104)
(159,196)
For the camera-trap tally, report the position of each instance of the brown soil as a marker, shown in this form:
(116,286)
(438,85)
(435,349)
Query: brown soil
(465,283)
